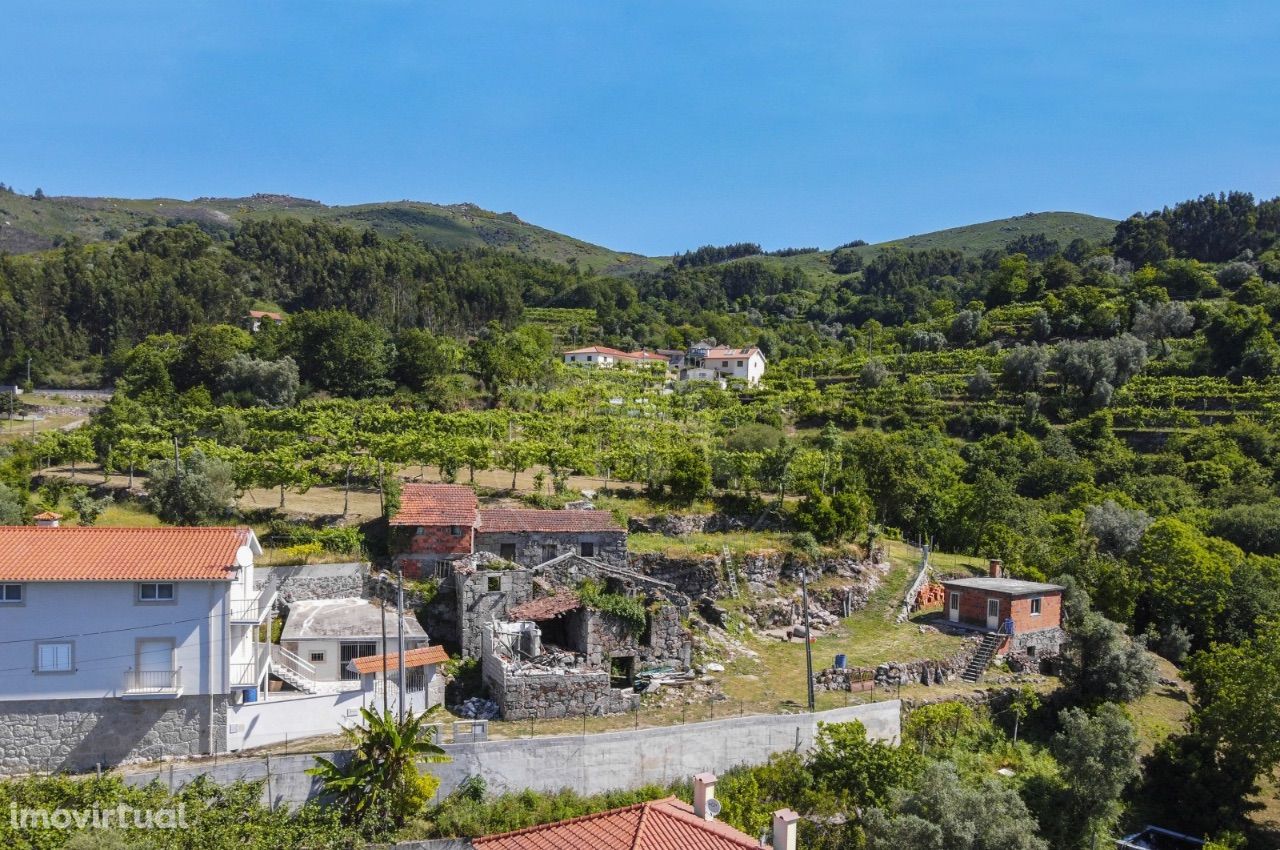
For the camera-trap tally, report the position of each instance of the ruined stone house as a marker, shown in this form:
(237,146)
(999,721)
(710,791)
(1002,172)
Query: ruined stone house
(438,524)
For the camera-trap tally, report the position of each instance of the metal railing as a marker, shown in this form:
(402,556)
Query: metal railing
(252,610)
(152,681)
(249,672)
(282,657)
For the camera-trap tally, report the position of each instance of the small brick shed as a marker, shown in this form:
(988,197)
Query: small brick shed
(990,602)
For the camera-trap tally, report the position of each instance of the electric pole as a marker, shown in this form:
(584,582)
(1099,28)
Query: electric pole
(400,638)
(382,603)
(808,636)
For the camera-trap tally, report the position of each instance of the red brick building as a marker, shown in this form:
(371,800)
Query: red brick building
(440,523)
(1029,611)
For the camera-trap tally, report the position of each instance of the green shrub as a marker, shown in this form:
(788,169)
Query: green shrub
(625,608)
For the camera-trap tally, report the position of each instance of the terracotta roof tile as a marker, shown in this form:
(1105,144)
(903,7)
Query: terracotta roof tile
(546,607)
(436,504)
(120,554)
(598,349)
(420,657)
(666,824)
(525,519)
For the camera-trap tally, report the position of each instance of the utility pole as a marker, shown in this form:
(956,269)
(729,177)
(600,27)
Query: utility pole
(28,370)
(382,603)
(400,638)
(808,636)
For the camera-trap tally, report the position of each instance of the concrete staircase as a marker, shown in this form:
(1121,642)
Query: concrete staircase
(982,658)
(292,669)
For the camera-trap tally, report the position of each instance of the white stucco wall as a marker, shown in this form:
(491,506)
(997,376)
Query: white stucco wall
(104,622)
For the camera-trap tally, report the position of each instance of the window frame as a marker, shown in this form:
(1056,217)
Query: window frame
(171,599)
(584,546)
(4,594)
(312,656)
(1036,605)
(71,657)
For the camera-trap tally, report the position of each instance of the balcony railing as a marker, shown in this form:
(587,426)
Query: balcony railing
(254,610)
(251,672)
(152,682)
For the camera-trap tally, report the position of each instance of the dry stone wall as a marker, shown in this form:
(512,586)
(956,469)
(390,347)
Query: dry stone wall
(76,735)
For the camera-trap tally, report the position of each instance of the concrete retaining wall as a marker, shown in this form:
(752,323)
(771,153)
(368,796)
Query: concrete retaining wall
(587,764)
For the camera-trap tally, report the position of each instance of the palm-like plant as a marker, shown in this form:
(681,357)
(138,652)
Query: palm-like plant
(380,785)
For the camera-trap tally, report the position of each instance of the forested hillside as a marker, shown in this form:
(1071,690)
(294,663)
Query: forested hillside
(1103,411)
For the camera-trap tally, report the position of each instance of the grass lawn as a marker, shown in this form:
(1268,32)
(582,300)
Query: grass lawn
(692,545)
(869,637)
(126,515)
(1164,711)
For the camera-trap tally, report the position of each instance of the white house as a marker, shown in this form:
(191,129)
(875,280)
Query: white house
(598,356)
(133,640)
(746,364)
(326,635)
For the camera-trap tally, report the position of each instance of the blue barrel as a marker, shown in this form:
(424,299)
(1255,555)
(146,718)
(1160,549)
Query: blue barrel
(840,661)
(250,694)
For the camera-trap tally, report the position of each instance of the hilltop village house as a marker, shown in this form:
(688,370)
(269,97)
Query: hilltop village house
(704,361)
(509,596)
(125,643)
(1027,613)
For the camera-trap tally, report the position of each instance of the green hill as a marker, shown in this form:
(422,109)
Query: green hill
(28,225)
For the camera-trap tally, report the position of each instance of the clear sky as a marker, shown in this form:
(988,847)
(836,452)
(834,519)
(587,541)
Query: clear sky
(652,126)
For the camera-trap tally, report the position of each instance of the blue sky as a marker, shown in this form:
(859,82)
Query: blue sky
(652,126)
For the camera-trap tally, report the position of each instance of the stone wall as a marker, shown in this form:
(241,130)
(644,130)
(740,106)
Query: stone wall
(532,548)
(478,605)
(603,637)
(542,693)
(924,671)
(1028,650)
(38,736)
(316,581)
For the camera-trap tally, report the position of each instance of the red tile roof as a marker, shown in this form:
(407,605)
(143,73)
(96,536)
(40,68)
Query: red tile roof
(666,824)
(436,504)
(120,554)
(647,356)
(599,349)
(266,314)
(546,607)
(525,519)
(420,657)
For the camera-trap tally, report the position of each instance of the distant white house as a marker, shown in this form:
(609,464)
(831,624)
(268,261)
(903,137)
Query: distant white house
(604,357)
(745,364)
(594,355)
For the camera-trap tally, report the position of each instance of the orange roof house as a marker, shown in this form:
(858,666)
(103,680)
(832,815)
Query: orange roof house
(666,824)
(121,554)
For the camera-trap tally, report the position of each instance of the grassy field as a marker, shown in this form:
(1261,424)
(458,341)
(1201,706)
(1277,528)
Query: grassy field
(698,544)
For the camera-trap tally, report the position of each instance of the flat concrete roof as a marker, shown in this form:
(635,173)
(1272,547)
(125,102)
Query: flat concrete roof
(344,618)
(1014,586)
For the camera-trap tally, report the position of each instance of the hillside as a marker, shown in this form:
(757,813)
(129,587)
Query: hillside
(29,225)
(972,239)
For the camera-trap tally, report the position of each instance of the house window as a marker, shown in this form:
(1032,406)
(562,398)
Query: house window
(54,657)
(507,551)
(316,657)
(590,358)
(1035,607)
(955,601)
(724,364)
(11,593)
(455,530)
(548,552)
(495,584)
(155,592)
(587,549)
(739,364)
